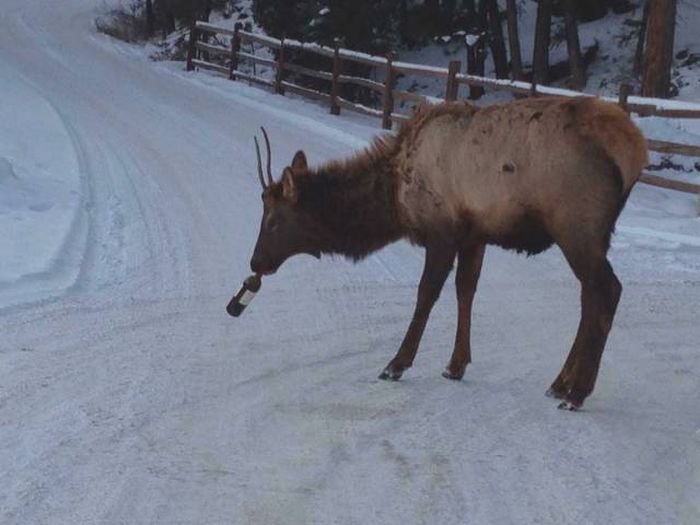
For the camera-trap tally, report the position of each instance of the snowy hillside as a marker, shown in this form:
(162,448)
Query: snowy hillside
(129,206)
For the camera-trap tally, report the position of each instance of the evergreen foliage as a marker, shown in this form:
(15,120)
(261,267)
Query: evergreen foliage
(365,25)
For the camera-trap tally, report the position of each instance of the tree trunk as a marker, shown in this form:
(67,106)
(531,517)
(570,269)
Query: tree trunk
(150,19)
(167,17)
(516,61)
(206,11)
(656,78)
(476,50)
(403,16)
(573,46)
(476,57)
(639,52)
(540,59)
(498,46)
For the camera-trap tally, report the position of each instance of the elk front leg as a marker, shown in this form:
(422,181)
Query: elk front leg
(438,264)
(468,271)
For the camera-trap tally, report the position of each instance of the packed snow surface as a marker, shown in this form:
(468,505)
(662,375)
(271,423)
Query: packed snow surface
(129,206)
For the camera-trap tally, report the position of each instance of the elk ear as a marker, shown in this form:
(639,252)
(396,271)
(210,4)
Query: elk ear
(289,187)
(299,161)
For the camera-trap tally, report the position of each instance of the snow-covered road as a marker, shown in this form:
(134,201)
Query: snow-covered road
(127,395)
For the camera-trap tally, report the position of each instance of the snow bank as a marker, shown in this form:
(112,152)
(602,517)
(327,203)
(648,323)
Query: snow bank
(39,189)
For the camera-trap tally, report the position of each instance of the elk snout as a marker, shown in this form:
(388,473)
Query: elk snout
(257,265)
(262,264)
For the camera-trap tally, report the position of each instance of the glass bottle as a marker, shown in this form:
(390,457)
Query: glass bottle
(245,295)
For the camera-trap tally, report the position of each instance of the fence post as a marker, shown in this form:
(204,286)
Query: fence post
(388,103)
(452,88)
(625,92)
(280,69)
(191,48)
(476,55)
(235,49)
(335,108)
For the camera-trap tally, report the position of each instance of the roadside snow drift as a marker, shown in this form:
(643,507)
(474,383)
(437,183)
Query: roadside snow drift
(39,194)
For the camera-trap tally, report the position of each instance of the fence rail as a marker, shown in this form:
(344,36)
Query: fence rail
(200,53)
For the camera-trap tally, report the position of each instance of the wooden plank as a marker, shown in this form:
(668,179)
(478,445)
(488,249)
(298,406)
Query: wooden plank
(651,110)
(362,58)
(256,59)
(364,82)
(305,92)
(523,88)
(413,97)
(212,67)
(359,108)
(253,78)
(669,184)
(677,113)
(211,28)
(310,47)
(344,54)
(216,50)
(323,75)
(420,69)
(672,147)
(399,116)
(266,41)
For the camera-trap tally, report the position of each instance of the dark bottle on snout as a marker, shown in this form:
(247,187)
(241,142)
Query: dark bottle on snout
(245,295)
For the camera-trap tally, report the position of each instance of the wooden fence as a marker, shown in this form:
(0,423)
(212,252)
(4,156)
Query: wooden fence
(226,60)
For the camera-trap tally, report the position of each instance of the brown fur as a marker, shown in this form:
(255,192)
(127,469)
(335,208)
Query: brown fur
(455,178)
(354,200)
(609,126)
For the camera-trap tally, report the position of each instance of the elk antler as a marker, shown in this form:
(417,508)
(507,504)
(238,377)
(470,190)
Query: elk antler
(270,181)
(269,156)
(260,172)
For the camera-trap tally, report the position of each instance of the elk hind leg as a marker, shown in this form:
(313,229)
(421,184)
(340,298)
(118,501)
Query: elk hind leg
(438,264)
(600,295)
(468,271)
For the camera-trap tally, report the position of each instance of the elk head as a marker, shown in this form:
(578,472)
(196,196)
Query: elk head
(286,229)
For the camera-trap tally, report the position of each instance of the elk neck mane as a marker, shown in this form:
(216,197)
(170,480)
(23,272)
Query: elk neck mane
(354,200)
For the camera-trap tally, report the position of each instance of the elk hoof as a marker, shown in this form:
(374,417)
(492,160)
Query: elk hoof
(568,405)
(555,394)
(391,374)
(448,374)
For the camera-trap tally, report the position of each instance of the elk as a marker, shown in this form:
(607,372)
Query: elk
(455,178)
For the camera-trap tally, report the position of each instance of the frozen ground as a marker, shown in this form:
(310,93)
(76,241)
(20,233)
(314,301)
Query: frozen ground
(128,396)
